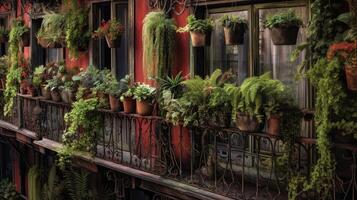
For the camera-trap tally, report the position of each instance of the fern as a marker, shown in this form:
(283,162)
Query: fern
(53,189)
(76,184)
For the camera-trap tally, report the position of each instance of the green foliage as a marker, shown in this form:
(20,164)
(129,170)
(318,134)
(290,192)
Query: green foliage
(202,101)
(8,191)
(350,20)
(283,19)
(88,78)
(4,66)
(159,42)
(13,77)
(173,84)
(81,119)
(144,92)
(197,25)
(76,28)
(52,29)
(112,29)
(231,21)
(53,189)
(128,87)
(77,185)
(34,183)
(54,84)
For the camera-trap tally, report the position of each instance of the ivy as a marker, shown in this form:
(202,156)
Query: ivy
(83,124)
(13,77)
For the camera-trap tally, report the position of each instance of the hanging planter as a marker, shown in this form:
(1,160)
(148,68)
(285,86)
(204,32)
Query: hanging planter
(200,31)
(52,31)
(284,27)
(234,29)
(112,31)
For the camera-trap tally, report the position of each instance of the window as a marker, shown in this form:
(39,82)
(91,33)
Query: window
(3,23)
(116,59)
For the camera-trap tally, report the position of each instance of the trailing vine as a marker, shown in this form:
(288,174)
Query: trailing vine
(13,77)
(82,126)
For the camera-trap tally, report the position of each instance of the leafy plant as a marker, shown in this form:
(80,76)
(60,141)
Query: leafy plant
(88,78)
(54,84)
(4,33)
(231,21)
(127,87)
(197,25)
(144,92)
(8,191)
(172,84)
(283,19)
(82,118)
(34,183)
(13,76)
(159,42)
(52,31)
(112,29)
(53,189)
(76,28)
(77,185)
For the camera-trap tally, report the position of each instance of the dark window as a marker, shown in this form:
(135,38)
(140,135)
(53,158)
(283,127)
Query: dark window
(6,164)
(3,46)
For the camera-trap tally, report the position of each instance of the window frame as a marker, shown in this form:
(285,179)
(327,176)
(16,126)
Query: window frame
(130,29)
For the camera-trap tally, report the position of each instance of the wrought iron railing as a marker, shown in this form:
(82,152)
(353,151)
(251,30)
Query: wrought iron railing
(225,161)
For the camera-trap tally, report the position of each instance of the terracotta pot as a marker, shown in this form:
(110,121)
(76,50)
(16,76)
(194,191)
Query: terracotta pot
(113,43)
(351,76)
(115,103)
(273,124)
(26,39)
(32,91)
(65,96)
(144,108)
(23,88)
(55,95)
(247,123)
(234,36)
(46,93)
(284,35)
(129,105)
(198,39)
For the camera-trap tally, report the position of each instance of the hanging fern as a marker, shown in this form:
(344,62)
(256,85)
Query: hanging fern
(159,41)
(13,77)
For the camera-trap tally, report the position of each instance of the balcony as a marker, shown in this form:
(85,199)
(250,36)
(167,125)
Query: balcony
(202,160)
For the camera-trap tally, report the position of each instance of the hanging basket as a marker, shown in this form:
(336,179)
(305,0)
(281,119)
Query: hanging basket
(234,36)
(284,35)
(46,44)
(351,76)
(198,39)
(113,43)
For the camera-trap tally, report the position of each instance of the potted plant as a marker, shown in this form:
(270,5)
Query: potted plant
(127,97)
(66,91)
(4,34)
(52,31)
(4,65)
(284,27)
(112,30)
(41,75)
(114,96)
(144,96)
(200,30)
(54,85)
(234,29)
(347,52)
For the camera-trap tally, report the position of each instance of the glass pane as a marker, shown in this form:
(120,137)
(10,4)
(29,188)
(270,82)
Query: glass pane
(276,58)
(227,57)
(121,53)
(54,55)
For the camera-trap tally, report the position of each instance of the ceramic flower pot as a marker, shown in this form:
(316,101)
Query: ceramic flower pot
(246,123)
(351,76)
(129,105)
(55,95)
(46,93)
(198,39)
(113,43)
(115,103)
(234,36)
(144,108)
(273,125)
(285,35)
(65,96)
(26,39)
